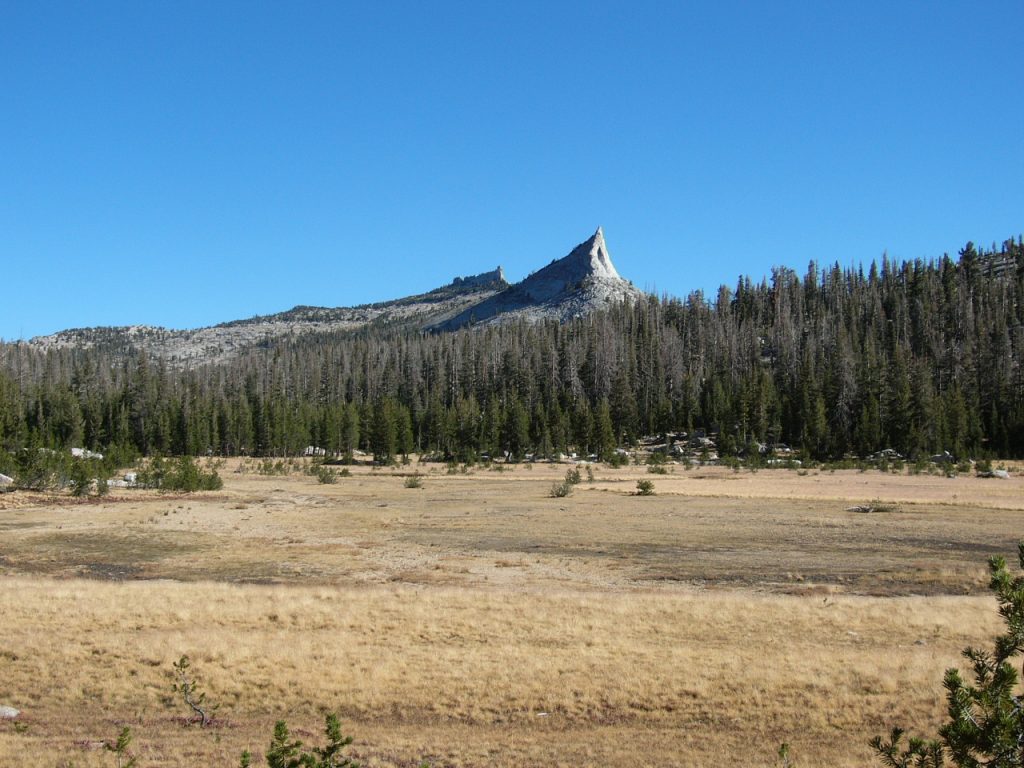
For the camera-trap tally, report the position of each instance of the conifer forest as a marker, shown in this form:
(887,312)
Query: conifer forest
(918,356)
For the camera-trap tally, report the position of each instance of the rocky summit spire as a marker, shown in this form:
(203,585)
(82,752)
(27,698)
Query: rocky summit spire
(591,258)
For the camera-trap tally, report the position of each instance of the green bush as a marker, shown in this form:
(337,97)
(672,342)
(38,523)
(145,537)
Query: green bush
(644,488)
(286,753)
(41,469)
(617,460)
(325,475)
(656,459)
(125,759)
(272,468)
(414,481)
(572,476)
(182,474)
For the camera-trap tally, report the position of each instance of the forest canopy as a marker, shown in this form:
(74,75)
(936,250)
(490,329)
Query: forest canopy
(921,357)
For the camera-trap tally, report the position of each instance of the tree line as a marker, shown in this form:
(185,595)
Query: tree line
(920,356)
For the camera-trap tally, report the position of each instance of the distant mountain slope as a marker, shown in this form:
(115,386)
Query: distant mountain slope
(221,342)
(569,287)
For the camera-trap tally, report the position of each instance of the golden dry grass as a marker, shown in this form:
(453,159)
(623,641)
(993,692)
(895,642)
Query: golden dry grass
(464,675)
(479,622)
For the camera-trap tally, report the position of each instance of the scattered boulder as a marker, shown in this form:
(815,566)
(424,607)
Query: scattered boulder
(5,480)
(873,506)
(1002,474)
(8,713)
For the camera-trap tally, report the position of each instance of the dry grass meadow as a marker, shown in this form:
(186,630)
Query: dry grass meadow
(477,621)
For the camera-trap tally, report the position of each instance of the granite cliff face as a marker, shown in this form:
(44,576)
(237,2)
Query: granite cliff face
(569,287)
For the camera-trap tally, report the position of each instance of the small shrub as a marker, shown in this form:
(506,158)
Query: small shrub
(617,460)
(644,488)
(125,759)
(572,477)
(326,475)
(590,474)
(285,753)
(40,469)
(86,476)
(561,490)
(657,469)
(414,481)
(183,474)
(270,467)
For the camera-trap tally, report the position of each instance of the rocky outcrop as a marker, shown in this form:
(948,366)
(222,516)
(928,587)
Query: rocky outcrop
(496,276)
(569,287)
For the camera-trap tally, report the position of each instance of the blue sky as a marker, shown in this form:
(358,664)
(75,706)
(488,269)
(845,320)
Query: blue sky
(182,164)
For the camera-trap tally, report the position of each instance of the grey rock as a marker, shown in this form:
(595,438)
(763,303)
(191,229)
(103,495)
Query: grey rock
(8,713)
(485,278)
(1002,474)
(572,286)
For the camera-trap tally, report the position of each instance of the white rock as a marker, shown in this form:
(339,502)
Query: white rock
(8,713)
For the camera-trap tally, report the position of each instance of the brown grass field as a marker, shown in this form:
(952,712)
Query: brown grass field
(477,621)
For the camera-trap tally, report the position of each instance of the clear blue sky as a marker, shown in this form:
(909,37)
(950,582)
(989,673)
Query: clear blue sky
(186,163)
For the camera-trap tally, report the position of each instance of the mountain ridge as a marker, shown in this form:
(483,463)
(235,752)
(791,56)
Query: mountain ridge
(578,283)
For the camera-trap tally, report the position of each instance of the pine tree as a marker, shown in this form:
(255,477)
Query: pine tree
(986,718)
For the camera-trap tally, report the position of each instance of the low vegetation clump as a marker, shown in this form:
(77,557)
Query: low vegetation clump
(87,476)
(285,752)
(644,488)
(181,474)
(561,490)
(616,460)
(325,475)
(413,481)
(43,469)
(572,478)
(270,467)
